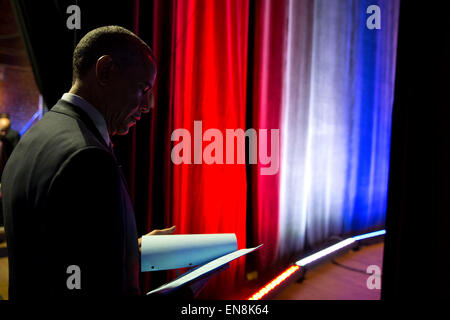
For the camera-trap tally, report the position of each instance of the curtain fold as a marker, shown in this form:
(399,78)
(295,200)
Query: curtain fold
(208,87)
(336,121)
(296,95)
(269,46)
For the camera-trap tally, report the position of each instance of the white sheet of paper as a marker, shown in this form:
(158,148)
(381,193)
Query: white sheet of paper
(202,270)
(165,252)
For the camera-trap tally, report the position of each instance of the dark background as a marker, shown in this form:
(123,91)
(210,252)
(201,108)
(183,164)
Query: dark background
(417,250)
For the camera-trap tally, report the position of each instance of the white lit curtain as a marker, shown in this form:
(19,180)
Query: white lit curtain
(336,120)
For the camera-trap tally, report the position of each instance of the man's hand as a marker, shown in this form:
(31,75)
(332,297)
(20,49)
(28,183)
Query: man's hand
(157,232)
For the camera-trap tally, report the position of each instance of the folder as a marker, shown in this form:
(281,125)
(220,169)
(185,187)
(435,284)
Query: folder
(208,252)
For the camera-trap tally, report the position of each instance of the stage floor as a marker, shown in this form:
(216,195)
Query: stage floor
(336,281)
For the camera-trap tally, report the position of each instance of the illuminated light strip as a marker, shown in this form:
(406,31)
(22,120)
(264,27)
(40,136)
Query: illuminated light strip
(303,262)
(324,252)
(36,115)
(369,235)
(274,283)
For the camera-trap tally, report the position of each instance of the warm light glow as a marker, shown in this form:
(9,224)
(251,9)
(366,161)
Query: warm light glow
(322,253)
(274,283)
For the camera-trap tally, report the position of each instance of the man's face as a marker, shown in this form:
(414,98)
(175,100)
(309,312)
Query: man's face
(5,125)
(127,96)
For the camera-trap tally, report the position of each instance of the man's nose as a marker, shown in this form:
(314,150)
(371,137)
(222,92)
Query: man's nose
(145,103)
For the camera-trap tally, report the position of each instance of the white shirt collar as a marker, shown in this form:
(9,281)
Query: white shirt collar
(91,111)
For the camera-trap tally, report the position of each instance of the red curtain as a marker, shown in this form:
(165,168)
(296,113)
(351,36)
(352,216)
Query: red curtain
(205,80)
(270,18)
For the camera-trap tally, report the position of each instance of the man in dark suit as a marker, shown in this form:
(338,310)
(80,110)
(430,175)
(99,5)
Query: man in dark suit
(69,220)
(8,141)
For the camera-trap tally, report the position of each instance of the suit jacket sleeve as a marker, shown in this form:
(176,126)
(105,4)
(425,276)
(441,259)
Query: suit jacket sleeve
(86,225)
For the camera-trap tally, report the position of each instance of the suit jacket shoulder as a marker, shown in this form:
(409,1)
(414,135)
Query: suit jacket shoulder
(61,186)
(63,131)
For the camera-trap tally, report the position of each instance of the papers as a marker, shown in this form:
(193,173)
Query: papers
(201,271)
(209,251)
(165,252)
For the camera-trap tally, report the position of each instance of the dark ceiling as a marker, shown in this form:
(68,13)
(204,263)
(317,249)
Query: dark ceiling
(12,50)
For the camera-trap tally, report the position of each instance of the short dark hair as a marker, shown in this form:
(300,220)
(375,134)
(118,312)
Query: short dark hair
(124,46)
(4,115)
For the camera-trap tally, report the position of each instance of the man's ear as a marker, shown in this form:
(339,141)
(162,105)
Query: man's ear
(103,69)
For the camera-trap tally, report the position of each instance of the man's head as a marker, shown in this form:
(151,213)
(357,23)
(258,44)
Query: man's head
(116,70)
(5,124)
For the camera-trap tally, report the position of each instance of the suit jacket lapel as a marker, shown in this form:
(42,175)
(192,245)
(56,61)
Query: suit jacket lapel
(75,112)
(129,224)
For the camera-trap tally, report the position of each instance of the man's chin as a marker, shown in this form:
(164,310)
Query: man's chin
(124,129)
(122,132)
